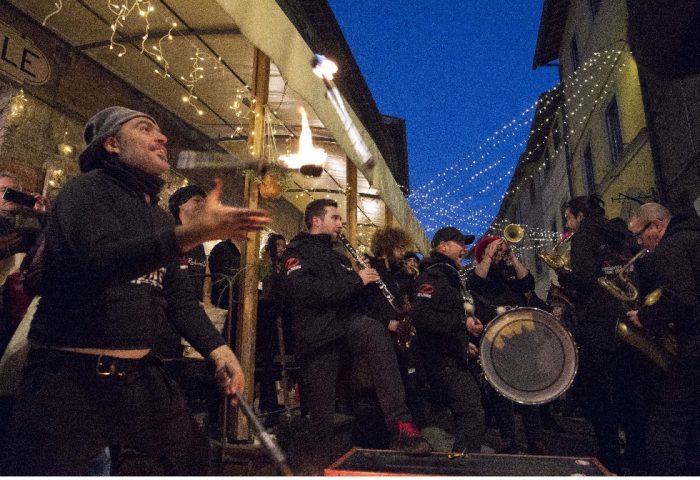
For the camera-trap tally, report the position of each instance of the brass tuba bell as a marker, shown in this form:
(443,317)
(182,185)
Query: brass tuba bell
(620,286)
(559,257)
(513,233)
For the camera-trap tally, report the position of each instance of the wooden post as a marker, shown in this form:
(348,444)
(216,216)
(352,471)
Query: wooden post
(351,201)
(248,308)
(388,216)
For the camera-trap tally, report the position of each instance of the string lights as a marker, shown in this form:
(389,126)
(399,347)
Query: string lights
(158,53)
(18,104)
(466,194)
(59,6)
(121,10)
(448,199)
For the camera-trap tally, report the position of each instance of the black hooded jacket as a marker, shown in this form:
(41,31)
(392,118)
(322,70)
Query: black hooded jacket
(321,287)
(438,313)
(600,246)
(675,268)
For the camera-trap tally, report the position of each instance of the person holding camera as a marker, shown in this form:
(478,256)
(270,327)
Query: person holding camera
(21,222)
(21,216)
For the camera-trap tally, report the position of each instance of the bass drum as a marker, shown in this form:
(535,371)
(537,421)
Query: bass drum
(528,356)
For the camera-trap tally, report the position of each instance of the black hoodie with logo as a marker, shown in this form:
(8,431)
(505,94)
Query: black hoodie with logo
(438,313)
(321,287)
(111,272)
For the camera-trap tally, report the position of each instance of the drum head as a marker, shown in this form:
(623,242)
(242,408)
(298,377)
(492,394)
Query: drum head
(528,356)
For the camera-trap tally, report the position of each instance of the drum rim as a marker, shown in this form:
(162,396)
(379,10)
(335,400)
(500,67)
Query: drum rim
(508,393)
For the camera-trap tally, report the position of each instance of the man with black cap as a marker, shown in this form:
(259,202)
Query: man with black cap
(110,276)
(444,321)
(185,205)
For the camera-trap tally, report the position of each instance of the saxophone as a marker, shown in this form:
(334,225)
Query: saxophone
(660,349)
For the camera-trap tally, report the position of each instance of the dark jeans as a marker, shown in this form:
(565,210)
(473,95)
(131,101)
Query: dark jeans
(66,414)
(460,393)
(319,372)
(370,339)
(674,436)
(413,376)
(594,389)
(365,337)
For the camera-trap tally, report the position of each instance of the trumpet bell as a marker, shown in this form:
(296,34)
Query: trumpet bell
(513,233)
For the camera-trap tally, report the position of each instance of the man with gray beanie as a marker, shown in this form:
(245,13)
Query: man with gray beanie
(111,276)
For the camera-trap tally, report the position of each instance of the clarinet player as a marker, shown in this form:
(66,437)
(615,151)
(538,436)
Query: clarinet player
(324,293)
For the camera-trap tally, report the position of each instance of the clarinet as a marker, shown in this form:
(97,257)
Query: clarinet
(405,331)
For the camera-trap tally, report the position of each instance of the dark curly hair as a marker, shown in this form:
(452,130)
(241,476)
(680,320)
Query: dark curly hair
(589,205)
(386,239)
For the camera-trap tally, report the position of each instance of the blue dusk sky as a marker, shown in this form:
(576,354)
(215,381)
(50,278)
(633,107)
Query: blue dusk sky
(456,71)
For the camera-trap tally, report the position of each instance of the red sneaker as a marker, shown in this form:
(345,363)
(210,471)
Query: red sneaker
(407,438)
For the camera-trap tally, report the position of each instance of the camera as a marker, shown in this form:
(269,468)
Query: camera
(20,198)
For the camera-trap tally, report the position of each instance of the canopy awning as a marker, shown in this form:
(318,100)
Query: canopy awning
(219,37)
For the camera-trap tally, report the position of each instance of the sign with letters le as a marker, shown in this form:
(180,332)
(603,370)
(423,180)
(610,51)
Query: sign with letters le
(20,59)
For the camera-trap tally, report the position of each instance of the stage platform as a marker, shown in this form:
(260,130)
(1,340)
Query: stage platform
(361,462)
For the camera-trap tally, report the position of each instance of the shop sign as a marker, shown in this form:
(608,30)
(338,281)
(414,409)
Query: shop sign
(20,59)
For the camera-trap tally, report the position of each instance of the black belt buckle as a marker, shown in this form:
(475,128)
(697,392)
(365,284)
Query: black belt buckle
(108,366)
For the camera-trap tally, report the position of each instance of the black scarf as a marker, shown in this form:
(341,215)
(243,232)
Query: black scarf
(135,179)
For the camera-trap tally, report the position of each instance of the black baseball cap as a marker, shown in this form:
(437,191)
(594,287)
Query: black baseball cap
(182,195)
(445,234)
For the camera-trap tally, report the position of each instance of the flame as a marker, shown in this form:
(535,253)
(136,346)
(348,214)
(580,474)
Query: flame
(309,159)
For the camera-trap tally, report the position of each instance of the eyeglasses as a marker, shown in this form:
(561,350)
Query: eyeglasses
(639,233)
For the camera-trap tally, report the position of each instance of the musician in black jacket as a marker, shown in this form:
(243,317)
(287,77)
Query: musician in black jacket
(674,436)
(501,279)
(389,247)
(601,246)
(323,291)
(443,328)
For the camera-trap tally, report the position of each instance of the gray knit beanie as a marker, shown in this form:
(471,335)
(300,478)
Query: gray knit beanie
(103,124)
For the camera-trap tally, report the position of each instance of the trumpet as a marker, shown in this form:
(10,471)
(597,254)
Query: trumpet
(513,233)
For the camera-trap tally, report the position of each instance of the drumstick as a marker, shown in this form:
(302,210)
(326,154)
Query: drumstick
(275,452)
(224,377)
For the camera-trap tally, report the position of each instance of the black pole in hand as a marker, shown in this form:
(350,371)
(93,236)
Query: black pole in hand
(275,452)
